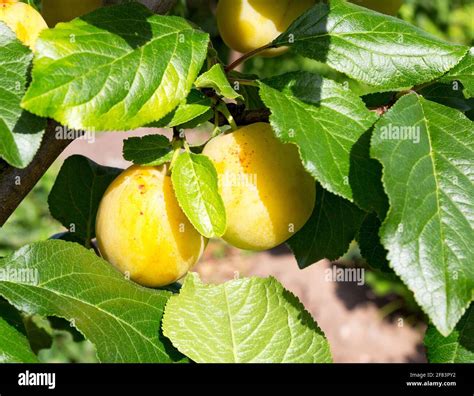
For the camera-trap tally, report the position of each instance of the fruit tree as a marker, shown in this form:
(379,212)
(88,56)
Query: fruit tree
(367,137)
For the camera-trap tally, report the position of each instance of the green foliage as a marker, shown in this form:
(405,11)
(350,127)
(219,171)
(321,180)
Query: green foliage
(151,150)
(195,110)
(76,194)
(122,319)
(369,243)
(250,320)
(216,79)
(31,221)
(449,95)
(328,233)
(65,350)
(430,185)
(14,347)
(464,72)
(323,119)
(370,47)
(352,80)
(447,19)
(143,67)
(365,174)
(20,131)
(195,184)
(458,347)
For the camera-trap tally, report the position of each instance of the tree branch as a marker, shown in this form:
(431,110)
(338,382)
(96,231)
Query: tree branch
(15,183)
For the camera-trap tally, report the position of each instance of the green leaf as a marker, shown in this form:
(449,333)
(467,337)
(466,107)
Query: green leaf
(14,346)
(124,68)
(427,174)
(193,112)
(121,318)
(370,47)
(365,178)
(216,79)
(458,347)
(370,246)
(250,320)
(39,332)
(195,184)
(150,150)
(329,231)
(379,99)
(20,131)
(463,72)
(323,119)
(76,194)
(449,95)
(11,315)
(249,94)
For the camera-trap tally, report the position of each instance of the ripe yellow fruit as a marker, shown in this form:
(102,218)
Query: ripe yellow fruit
(23,19)
(142,230)
(55,11)
(246,25)
(267,193)
(389,7)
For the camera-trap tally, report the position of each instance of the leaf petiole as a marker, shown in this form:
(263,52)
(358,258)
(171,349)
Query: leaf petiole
(222,108)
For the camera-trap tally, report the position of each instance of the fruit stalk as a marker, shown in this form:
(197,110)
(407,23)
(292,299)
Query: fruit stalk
(246,56)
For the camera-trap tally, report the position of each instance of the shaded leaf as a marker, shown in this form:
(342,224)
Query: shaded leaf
(76,194)
(449,95)
(150,150)
(14,346)
(463,72)
(365,178)
(328,232)
(370,246)
(249,94)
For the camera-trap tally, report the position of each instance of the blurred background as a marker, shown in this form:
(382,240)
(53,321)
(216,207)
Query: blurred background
(374,322)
